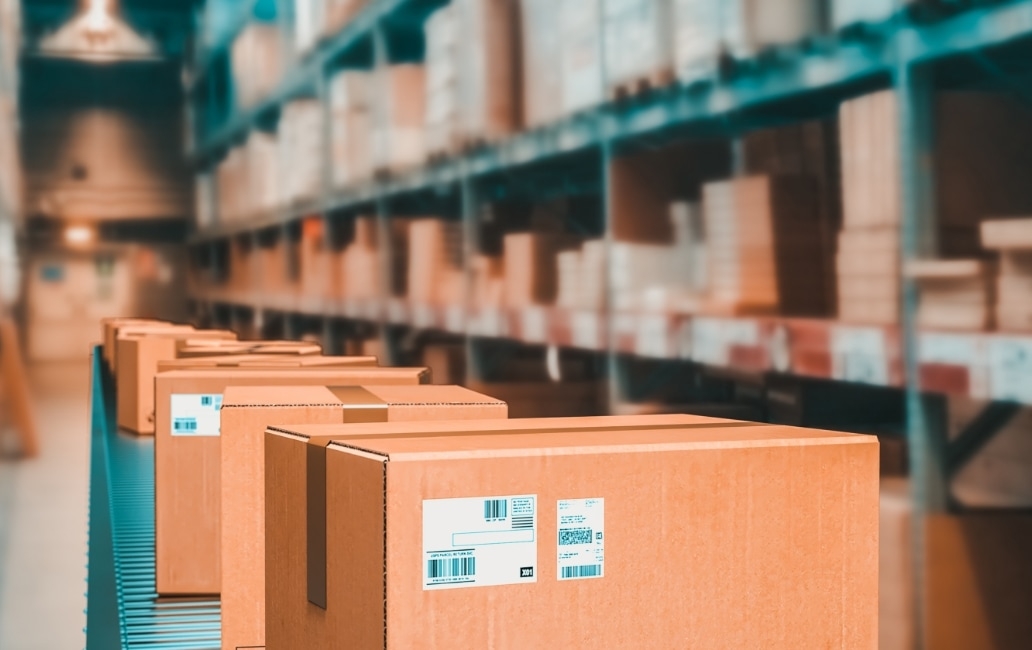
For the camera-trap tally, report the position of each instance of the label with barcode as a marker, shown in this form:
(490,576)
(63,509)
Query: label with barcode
(196,415)
(479,542)
(580,543)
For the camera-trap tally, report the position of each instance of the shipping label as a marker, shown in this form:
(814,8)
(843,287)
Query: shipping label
(580,543)
(196,414)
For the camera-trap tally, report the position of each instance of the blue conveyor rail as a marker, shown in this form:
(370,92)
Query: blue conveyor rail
(123,607)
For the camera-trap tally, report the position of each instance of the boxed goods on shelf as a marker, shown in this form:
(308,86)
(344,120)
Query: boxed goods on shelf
(446,361)
(547,488)
(352,115)
(530,271)
(257,61)
(301,150)
(397,141)
(137,364)
(637,43)
(204,349)
(487,275)
(187,465)
(762,234)
(361,262)
(705,30)
(339,13)
(205,210)
(241,264)
(434,254)
(541,49)
(472,90)
(264,170)
(320,264)
(246,412)
(953,294)
(1012,238)
(309,19)
(580,58)
(582,275)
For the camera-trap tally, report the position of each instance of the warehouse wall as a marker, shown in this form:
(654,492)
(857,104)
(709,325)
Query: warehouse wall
(104,142)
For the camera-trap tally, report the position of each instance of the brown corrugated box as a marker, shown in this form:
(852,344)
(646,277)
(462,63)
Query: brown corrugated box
(246,411)
(195,348)
(137,360)
(266,361)
(756,536)
(107,335)
(186,465)
(289,615)
(124,329)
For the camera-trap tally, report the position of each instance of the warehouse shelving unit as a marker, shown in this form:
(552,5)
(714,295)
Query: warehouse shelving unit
(781,87)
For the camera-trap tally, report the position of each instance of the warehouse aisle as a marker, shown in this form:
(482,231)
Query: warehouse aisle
(43,518)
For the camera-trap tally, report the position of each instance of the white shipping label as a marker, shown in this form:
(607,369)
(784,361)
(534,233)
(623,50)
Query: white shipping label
(196,415)
(479,542)
(580,551)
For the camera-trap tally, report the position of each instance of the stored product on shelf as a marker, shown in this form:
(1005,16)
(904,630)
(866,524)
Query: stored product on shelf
(186,460)
(476,537)
(953,294)
(1012,239)
(638,48)
(246,412)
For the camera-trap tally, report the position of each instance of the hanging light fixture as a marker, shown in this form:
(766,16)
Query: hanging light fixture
(97,34)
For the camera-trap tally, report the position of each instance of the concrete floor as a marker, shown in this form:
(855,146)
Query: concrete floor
(43,519)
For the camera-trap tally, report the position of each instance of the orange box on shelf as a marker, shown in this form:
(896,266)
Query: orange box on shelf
(246,411)
(186,460)
(468,534)
(193,348)
(137,358)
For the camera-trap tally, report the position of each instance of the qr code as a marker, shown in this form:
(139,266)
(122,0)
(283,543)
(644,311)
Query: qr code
(572,536)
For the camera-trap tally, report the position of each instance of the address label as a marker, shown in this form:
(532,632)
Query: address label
(196,414)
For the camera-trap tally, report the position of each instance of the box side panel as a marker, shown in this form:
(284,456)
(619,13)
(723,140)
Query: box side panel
(759,547)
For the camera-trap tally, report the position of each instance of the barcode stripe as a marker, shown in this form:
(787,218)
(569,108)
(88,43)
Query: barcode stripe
(456,567)
(582,571)
(496,509)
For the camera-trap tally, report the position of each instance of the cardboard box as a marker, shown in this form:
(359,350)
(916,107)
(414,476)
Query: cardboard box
(137,358)
(193,348)
(678,565)
(268,361)
(531,267)
(245,414)
(125,329)
(107,335)
(186,460)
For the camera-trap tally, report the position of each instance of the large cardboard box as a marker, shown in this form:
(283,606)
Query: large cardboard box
(266,361)
(647,531)
(107,335)
(194,348)
(186,460)
(246,411)
(137,358)
(116,330)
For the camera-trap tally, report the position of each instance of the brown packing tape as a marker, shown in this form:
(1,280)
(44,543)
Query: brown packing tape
(361,406)
(358,405)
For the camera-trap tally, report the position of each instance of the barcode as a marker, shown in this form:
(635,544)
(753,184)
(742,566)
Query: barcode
(571,536)
(496,509)
(205,400)
(184,424)
(456,567)
(583,571)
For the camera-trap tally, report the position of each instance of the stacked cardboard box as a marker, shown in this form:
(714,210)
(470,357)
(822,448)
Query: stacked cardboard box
(361,262)
(264,170)
(580,60)
(954,294)
(530,267)
(397,141)
(319,263)
(187,464)
(309,18)
(472,93)
(868,248)
(705,30)
(442,81)
(301,150)
(434,259)
(1012,238)
(761,236)
(487,276)
(339,13)
(521,519)
(541,48)
(351,107)
(637,41)
(245,414)
(257,60)
(231,179)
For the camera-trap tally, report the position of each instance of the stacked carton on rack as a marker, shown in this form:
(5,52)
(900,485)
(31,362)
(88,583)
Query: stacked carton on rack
(435,261)
(400,93)
(580,59)
(868,248)
(339,13)
(442,79)
(361,262)
(953,294)
(257,58)
(351,108)
(637,43)
(541,48)
(301,141)
(1013,239)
